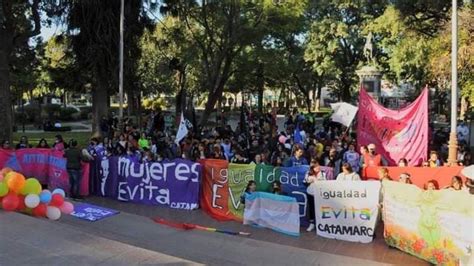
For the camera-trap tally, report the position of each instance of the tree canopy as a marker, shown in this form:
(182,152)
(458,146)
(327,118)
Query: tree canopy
(201,49)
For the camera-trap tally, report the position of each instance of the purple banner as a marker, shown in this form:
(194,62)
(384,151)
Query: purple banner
(169,183)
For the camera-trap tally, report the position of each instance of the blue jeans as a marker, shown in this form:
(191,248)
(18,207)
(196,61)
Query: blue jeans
(75,177)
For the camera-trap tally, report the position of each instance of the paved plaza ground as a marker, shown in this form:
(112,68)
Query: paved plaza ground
(132,238)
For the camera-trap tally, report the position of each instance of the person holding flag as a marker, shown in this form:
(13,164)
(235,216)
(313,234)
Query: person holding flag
(183,129)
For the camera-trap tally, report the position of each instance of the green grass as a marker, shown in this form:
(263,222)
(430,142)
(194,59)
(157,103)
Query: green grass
(34,138)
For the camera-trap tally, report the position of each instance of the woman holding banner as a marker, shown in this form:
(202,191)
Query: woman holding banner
(347,174)
(313,175)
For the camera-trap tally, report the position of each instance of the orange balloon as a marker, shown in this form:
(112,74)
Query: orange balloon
(15,182)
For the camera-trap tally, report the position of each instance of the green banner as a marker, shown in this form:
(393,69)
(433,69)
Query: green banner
(238,177)
(265,175)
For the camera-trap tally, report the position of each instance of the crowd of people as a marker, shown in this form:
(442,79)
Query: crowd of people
(256,139)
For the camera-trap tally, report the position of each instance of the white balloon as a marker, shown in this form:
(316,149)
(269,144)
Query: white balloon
(32,200)
(53,213)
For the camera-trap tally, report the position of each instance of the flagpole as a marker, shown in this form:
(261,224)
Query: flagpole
(121,61)
(453,143)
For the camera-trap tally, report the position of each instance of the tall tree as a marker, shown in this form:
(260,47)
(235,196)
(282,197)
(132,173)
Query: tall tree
(19,20)
(440,57)
(343,23)
(219,29)
(93,26)
(404,52)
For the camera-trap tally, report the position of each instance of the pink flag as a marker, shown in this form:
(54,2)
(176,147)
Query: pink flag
(396,133)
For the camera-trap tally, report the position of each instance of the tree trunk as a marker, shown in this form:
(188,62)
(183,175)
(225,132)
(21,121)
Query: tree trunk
(5,94)
(216,88)
(260,87)
(99,107)
(212,99)
(308,102)
(346,93)
(317,98)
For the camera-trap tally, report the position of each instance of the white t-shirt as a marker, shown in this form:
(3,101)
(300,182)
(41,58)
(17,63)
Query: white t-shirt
(348,177)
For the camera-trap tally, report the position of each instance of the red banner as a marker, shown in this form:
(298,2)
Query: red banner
(419,175)
(396,133)
(215,189)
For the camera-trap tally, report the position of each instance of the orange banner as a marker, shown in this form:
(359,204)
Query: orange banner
(215,189)
(419,175)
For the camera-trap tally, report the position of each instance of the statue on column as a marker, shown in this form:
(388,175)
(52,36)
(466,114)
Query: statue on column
(369,49)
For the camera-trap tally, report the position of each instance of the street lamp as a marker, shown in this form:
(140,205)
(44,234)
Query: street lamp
(453,143)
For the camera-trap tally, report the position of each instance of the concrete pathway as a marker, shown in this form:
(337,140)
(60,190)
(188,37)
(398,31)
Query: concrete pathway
(26,240)
(132,238)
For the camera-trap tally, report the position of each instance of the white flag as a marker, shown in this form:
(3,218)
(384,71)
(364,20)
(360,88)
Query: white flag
(182,130)
(344,113)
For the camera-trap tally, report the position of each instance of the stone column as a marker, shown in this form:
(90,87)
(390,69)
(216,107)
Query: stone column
(370,80)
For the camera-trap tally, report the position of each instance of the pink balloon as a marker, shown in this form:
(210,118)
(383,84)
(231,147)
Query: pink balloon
(282,139)
(67,207)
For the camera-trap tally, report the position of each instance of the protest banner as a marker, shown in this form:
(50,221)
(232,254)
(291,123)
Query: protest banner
(292,184)
(433,225)
(418,175)
(224,183)
(222,186)
(92,213)
(265,175)
(170,183)
(215,189)
(46,165)
(346,210)
(238,177)
(277,212)
(396,133)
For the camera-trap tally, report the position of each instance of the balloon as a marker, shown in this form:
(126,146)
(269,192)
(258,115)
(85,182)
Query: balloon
(67,207)
(5,171)
(59,191)
(10,202)
(28,211)
(53,213)
(45,196)
(3,189)
(32,186)
(15,182)
(40,210)
(21,203)
(56,200)
(282,139)
(32,200)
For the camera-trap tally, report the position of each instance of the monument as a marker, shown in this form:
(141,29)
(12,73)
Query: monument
(370,77)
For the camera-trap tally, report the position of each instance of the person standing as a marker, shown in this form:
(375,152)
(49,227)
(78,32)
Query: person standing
(347,174)
(313,175)
(372,158)
(74,157)
(352,158)
(297,159)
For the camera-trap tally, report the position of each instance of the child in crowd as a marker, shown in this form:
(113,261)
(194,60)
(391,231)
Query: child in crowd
(431,185)
(405,178)
(251,188)
(456,184)
(383,174)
